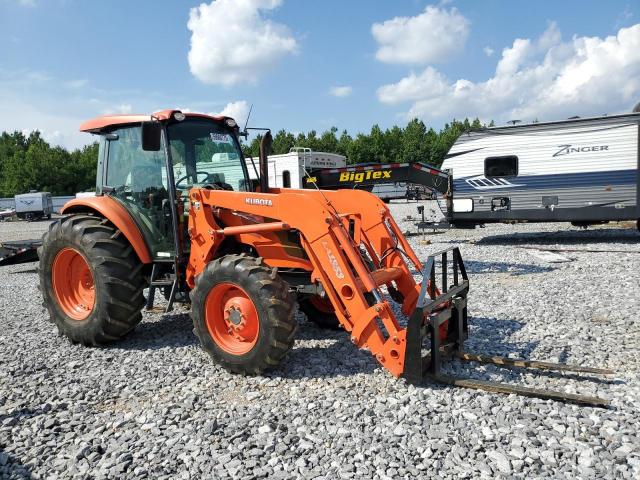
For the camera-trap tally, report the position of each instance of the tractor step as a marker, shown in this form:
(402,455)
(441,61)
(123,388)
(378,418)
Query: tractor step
(156,282)
(155,310)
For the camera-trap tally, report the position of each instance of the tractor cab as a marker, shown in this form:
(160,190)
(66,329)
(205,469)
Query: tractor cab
(144,164)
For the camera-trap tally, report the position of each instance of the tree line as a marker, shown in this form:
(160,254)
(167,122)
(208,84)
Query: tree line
(413,143)
(28,162)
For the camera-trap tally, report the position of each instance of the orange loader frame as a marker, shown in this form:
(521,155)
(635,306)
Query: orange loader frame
(331,241)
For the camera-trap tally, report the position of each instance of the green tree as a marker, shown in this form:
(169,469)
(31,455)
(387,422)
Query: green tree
(344,143)
(283,141)
(328,141)
(30,163)
(415,147)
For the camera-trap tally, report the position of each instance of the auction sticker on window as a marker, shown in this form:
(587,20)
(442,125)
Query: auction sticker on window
(220,137)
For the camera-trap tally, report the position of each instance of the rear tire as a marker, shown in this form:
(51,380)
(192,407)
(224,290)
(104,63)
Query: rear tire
(320,311)
(243,314)
(91,280)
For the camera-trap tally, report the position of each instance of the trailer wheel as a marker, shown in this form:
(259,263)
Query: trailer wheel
(243,314)
(320,311)
(90,280)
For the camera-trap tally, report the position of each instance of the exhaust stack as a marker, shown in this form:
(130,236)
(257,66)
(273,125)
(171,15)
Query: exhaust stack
(265,150)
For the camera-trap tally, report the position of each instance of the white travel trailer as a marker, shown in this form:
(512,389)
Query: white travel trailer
(34,205)
(581,170)
(288,170)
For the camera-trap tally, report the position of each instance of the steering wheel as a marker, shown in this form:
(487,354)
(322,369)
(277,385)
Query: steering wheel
(185,186)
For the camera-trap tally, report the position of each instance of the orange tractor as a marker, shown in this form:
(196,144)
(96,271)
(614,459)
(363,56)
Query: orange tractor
(176,210)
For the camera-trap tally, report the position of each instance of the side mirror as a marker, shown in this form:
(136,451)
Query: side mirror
(151,136)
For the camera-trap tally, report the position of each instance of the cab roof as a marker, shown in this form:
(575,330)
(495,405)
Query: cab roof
(106,122)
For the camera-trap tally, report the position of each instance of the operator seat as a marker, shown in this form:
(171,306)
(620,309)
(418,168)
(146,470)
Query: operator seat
(146,182)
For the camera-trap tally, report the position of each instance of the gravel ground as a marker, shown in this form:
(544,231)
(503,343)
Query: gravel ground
(153,405)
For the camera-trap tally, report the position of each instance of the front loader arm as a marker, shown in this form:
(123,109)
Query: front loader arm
(323,220)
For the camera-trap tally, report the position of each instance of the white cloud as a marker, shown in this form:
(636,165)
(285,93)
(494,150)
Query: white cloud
(432,36)
(232,42)
(341,91)
(79,83)
(120,109)
(22,3)
(35,76)
(488,51)
(35,100)
(236,110)
(544,78)
(57,127)
(414,87)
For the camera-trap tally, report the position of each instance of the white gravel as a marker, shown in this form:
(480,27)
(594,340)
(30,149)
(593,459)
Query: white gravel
(154,406)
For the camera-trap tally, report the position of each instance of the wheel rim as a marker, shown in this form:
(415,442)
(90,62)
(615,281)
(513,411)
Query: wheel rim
(231,318)
(322,304)
(73,284)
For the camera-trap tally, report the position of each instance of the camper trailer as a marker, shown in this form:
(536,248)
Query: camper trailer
(34,205)
(581,170)
(288,170)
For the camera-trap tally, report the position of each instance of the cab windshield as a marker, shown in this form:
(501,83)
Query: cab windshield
(206,153)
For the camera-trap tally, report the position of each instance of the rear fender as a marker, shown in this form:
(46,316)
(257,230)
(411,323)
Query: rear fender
(114,212)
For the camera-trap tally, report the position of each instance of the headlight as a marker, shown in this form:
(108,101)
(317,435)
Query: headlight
(179,116)
(231,123)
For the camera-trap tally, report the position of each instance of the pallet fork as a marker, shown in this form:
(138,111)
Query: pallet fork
(449,307)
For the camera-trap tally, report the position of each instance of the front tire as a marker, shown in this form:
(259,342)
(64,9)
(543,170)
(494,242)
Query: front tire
(91,280)
(243,314)
(320,311)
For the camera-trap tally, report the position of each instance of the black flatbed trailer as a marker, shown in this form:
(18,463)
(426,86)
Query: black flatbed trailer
(370,174)
(19,251)
(366,176)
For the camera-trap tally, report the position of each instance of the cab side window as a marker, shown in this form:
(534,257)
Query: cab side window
(139,181)
(129,168)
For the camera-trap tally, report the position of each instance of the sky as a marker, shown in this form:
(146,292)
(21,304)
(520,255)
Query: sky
(308,64)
